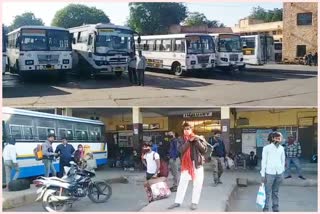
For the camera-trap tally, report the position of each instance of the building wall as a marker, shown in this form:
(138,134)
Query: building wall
(249,26)
(299,34)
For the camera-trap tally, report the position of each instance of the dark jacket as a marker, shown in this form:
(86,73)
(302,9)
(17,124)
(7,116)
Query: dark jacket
(220,149)
(198,150)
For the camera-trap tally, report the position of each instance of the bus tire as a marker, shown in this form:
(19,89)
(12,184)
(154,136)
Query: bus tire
(118,74)
(177,69)
(18,185)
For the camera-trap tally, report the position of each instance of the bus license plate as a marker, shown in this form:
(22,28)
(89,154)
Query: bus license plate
(118,69)
(48,67)
(204,65)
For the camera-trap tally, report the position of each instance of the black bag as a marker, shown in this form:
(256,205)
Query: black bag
(18,185)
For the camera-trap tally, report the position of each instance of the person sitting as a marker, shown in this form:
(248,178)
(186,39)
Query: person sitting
(253,160)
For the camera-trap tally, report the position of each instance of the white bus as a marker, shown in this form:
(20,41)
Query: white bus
(228,51)
(39,49)
(278,51)
(258,49)
(179,52)
(30,128)
(102,48)
(4,51)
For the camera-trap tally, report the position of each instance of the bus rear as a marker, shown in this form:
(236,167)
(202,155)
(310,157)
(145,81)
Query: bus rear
(41,50)
(229,51)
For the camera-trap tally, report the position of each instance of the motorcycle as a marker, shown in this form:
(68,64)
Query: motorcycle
(58,194)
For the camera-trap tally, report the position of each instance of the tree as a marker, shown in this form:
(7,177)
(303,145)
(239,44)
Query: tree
(27,18)
(196,19)
(155,17)
(267,16)
(75,15)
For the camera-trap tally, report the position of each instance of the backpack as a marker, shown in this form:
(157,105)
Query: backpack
(38,154)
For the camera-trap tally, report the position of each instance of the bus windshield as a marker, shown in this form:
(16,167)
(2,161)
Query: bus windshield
(115,39)
(229,43)
(199,44)
(45,40)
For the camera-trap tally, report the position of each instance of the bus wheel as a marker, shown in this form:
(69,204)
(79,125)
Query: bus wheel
(177,69)
(118,74)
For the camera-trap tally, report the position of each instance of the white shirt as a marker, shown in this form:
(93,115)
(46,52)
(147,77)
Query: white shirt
(151,158)
(141,63)
(273,160)
(10,153)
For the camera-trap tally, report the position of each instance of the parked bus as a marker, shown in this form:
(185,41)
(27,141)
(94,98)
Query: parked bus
(278,51)
(257,49)
(39,49)
(179,52)
(102,48)
(4,51)
(228,51)
(30,128)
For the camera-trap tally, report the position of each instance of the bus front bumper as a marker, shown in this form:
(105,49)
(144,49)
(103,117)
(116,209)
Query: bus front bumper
(109,70)
(201,67)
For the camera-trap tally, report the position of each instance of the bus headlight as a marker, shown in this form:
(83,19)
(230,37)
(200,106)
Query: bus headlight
(65,61)
(224,59)
(193,62)
(29,62)
(100,62)
(212,61)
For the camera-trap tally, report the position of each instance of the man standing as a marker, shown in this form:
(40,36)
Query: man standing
(293,153)
(173,162)
(65,152)
(218,154)
(192,150)
(151,160)
(10,161)
(48,156)
(132,69)
(272,168)
(141,66)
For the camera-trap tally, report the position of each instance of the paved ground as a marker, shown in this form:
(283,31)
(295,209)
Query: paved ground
(134,197)
(270,85)
(292,199)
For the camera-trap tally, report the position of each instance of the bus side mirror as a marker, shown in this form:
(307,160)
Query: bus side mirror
(18,42)
(73,40)
(139,39)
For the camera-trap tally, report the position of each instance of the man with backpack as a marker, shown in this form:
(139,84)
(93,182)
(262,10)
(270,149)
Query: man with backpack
(151,160)
(48,156)
(65,152)
(173,161)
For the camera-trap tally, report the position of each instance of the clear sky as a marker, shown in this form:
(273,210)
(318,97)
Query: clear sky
(228,13)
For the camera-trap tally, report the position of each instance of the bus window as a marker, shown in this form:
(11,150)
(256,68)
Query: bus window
(194,45)
(16,131)
(159,45)
(249,46)
(59,40)
(207,44)
(166,45)
(150,45)
(179,45)
(28,134)
(82,135)
(33,39)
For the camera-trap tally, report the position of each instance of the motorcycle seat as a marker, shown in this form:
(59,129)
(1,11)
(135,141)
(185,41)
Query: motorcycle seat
(60,179)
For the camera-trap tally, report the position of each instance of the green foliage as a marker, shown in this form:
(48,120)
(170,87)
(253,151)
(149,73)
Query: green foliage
(196,19)
(75,15)
(27,18)
(155,17)
(267,16)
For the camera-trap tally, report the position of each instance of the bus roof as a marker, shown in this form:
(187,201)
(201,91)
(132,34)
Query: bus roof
(37,27)
(255,36)
(8,110)
(217,34)
(100,26)
(172,36)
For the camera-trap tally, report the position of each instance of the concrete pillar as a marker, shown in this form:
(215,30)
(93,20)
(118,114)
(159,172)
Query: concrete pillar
(137,128)
(67,112)
(225,127)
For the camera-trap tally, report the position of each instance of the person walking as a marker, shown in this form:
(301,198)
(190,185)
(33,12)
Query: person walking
(65,152)
(132,69)
(141,66)
(293,153)
(173,159)
(315,58)
(48,156)
(79,154)
(10,161)
(309,59)
(192,150)
(218,156)
(272,169)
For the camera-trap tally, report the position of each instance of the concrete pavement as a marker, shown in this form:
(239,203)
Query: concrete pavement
(294,86)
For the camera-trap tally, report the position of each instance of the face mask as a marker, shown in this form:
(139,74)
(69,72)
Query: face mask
(187,132)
